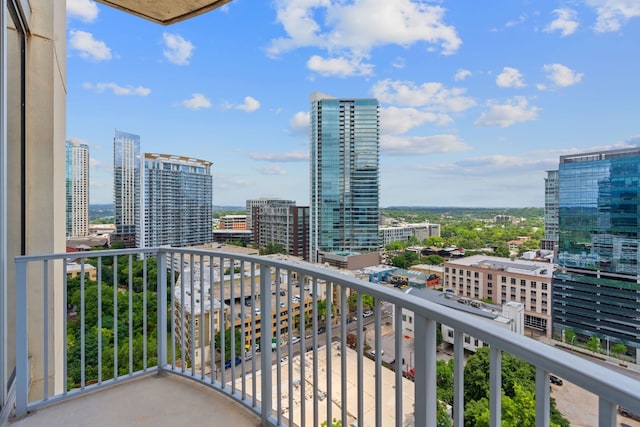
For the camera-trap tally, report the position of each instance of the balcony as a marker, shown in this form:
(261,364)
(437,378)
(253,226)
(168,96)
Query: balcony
(115,366)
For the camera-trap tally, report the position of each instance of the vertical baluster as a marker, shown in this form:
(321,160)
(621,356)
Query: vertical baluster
(495,386)
(458,379)
(543,404)
(425,371)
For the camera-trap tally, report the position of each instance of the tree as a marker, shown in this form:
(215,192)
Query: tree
(569,335)
(593,344)
(273,248)
(436,241)
(515,373)
(618,349)
(433,259)
(227,342)
(395,246)
(502,251)
(334,423)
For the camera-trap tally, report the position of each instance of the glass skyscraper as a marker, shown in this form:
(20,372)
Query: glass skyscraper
(344,208)
(77,183)
(176,201)
(126,189)
(596,290)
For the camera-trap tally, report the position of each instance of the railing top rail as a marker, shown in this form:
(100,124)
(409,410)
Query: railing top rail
(612,385)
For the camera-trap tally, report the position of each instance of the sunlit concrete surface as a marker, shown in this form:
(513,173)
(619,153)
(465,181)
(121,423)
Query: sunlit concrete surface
(167,400)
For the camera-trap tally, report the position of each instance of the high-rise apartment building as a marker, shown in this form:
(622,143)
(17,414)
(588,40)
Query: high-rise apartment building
(77,183)
(126,189)
(550,240)
(287,226)
(344,209)
(252,204)
(176,204)
(596,287)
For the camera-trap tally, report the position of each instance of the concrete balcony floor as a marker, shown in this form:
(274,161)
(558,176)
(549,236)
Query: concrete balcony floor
(167,400)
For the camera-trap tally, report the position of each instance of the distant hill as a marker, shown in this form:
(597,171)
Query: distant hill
(100,211)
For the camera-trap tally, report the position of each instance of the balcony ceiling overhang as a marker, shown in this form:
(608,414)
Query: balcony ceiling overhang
(165,12)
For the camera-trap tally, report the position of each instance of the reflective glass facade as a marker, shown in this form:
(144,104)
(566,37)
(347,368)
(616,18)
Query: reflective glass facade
(126,188)
(598,291)
(344,175)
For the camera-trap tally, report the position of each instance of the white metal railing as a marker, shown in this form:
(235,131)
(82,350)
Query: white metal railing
(177,318)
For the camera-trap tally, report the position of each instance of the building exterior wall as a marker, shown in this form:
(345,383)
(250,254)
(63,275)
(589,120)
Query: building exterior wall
(253,204)
(597,283)
(344,153)
(126,189)
(77,171)
(550,240)
(176,202)
(32,161)
(233,222)
(502,280)
(283,225)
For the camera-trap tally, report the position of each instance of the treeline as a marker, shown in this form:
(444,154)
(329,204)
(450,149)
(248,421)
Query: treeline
(116,324)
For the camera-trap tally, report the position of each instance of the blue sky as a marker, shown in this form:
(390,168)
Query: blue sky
(478,99)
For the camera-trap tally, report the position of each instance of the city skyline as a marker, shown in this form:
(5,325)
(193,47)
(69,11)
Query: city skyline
(475,107)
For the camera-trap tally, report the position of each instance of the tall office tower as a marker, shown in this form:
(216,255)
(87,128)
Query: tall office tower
(77,177)
(126,189)
(344,211)
(264,201)
(176,201)
(550,240)
(287,226)
(596,287)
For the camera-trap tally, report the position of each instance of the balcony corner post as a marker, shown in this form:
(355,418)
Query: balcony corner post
(266,334)
(162,310)
(22,349)
(425,372)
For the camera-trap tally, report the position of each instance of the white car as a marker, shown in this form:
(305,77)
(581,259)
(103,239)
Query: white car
(295,340)
(373,352)
(367,313)
(257,311)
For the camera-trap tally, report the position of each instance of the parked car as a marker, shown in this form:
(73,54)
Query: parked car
(257,311)
(282,292)
(373,352)
(248,302)
(627,413)
(295,340)
(229,363)
(322,330)
(367,313)
(555,380)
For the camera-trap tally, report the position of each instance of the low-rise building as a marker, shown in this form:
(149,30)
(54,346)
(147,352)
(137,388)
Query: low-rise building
(501,280)
(510,316)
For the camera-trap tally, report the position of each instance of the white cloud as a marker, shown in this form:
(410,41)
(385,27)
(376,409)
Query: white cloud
(612,14)
(417,145)
(400,120)
(562,75)
(433,96)
(290,156)
(272,170)
(196,102)
(177,49)
(89,47)
(461,74)
(250,104)
(339,66)
(510,77)
(566,22)
(515,110)
(299,123)
(84,10)
(399,63)
(117,89)
(401,22)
